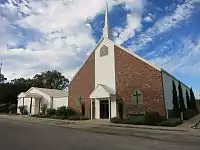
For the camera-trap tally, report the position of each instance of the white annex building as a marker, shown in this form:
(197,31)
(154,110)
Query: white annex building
(34,98)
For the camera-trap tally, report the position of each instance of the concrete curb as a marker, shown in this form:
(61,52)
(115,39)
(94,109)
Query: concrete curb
(142,127)
(158,128)
(160,137)
(150,128)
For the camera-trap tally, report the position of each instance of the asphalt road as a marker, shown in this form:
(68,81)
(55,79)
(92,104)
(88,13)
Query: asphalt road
(16,135)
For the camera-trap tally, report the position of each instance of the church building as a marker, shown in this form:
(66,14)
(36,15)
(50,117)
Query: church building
(110,72)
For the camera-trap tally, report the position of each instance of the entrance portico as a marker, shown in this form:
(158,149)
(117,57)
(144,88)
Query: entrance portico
(31,101)
(103,103)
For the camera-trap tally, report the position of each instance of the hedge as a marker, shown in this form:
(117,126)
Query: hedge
(150,118)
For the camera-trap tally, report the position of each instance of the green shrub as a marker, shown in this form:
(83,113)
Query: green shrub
(61,111)
(76,117)
(83,108)
(151,118)
(21,108)
(189,114)
(137,120)
(12,108)
(44,108)
(58,117)
(71,112)
(116,120)
(25,111)
(65,111)
(41,116)
(120,106)
(51,111)
(173,114)
(36,115)
(170,123)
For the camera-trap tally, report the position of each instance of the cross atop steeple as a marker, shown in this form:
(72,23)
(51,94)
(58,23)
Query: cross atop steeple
(106,27)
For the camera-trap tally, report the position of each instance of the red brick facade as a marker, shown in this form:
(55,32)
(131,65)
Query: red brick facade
(134,74)
(83,85)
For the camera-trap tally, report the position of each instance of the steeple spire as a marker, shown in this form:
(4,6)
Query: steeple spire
(106,28)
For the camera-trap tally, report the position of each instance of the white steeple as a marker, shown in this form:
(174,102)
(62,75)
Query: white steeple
(106,28)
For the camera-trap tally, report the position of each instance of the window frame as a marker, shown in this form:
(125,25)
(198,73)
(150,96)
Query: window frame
(104,51)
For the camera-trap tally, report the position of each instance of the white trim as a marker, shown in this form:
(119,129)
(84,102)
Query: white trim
(174,78)
(137,56)
(100,41)
(105,92)
(91,110)
(109,106)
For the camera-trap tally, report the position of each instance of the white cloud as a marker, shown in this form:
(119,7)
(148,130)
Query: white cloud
(64,39)
(148,19)
(133,25)
(181,13)
(185,60)
(133,21)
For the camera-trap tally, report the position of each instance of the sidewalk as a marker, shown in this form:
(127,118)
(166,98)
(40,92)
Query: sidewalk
(189,123)
(109,124)
(96,123)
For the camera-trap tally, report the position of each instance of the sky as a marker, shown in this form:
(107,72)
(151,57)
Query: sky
(41,35)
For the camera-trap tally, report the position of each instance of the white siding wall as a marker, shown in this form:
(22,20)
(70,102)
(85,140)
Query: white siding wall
(167,84)
(105,73)
(105,66)
(27,102)
(59,102)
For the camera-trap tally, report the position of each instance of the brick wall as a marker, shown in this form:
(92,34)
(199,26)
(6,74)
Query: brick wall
(83,85)
(131,74)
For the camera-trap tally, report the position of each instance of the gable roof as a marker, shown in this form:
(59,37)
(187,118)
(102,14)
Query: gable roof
(102,91)
(29,95)
(52,92)
(131,53)
(108,89)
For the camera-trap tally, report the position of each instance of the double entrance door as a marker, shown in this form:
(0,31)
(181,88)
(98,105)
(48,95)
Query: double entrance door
(104,109)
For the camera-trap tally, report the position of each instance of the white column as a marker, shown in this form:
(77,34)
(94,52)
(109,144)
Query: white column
(91,110)
(109,106)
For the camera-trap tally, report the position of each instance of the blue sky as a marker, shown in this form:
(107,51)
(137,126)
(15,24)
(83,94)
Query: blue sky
(59,34)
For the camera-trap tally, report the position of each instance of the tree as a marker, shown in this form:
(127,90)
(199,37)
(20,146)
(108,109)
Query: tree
(2,78)
(10,90)
(188,100)
(12,108)
(50,79)
(175,101)
(83,108)
(120,105)
(181,100)
(82,104)
(193,100)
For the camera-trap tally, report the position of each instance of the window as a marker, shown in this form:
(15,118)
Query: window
(103,51)
(137,97)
